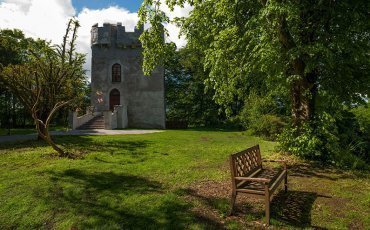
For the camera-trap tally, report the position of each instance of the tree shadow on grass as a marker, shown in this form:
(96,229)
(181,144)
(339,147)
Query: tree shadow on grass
(114,200)
(84,145)
(321,171)
(208,129)
(22,144)
(293,208)
(87,144)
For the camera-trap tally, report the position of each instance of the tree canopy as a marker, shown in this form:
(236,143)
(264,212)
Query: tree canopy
(186,98)
(13,47)
(317,51)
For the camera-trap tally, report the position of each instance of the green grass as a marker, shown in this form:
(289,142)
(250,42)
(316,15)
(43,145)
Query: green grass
(148,181)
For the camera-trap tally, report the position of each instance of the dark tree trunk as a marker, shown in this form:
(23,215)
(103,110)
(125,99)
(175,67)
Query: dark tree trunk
(304,89)
(303,94)
(44,134)
(41,129)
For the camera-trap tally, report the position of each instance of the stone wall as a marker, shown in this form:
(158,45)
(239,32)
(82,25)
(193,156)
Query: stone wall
(142,95)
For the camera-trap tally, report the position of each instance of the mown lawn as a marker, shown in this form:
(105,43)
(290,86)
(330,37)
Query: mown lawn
(173,179)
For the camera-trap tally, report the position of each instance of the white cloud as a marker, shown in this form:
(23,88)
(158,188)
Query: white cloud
(37,18)
(47,19)
(173,30)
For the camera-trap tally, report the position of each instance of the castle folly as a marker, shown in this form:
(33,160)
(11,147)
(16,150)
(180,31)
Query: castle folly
(119,88)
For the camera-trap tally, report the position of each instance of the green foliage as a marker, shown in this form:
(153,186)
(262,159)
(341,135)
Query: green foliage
(268,126)
(263,115)
(13,50)
(13,47)
(243,38)
(329,139)
(362,114)
(316,140)
(186,97)
(362,144)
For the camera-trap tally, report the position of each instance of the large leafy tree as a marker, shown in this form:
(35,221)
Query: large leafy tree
(315,51)
(47,79)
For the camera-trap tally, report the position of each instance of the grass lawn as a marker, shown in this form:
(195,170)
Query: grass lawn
(173,179)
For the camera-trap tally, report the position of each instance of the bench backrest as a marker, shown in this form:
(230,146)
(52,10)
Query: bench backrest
(246,162)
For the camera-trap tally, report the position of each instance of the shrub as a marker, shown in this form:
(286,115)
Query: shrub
(316,140)
(362,114)
(267,126)
(259,116)
(354,132)
(327,139)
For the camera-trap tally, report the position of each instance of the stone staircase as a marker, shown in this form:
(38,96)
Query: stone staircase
(95,123)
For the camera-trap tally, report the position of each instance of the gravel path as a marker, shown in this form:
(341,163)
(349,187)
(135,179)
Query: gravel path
(77,132)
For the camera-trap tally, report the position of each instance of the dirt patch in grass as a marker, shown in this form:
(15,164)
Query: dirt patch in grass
(204,138)
(312,202)
(356,225)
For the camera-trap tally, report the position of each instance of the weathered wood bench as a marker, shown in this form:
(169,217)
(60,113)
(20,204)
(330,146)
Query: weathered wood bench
(249,176)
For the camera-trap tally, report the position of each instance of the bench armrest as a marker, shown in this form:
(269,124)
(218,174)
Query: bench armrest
(277,161)
(280,161)
(253,179)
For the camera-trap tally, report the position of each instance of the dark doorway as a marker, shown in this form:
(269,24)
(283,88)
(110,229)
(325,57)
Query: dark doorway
(114,98)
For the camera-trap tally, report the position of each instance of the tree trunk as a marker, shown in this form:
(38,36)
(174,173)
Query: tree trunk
(303,90)
(44,134)
(303,95)
(41,130)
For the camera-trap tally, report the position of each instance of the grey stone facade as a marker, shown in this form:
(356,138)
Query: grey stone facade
(142,95)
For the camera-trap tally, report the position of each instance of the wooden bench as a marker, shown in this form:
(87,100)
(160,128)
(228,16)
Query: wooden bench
(249,176)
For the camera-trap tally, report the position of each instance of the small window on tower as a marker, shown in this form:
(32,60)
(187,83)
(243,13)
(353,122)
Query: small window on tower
(116,73)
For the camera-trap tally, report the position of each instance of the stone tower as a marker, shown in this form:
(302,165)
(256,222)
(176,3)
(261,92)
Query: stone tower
(117,77)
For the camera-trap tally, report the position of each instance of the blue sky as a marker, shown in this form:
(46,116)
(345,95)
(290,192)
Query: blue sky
(131,5)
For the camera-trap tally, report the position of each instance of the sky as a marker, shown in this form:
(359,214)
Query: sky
(131,5)
(47,19)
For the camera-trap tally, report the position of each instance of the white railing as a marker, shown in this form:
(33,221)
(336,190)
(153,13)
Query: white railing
(117,118)
(112,120)
(78,121)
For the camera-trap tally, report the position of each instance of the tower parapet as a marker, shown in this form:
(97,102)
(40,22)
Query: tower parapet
(115,35)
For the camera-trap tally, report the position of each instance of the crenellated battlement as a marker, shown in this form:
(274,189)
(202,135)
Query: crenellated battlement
(115,35)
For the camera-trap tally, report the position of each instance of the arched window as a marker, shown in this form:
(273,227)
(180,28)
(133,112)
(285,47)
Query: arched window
(116,73)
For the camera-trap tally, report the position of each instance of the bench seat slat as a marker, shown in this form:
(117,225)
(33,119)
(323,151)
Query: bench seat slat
(250,191)
(277,182)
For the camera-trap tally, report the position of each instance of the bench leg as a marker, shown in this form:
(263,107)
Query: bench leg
(267,205)
(233,198)
(286,182)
